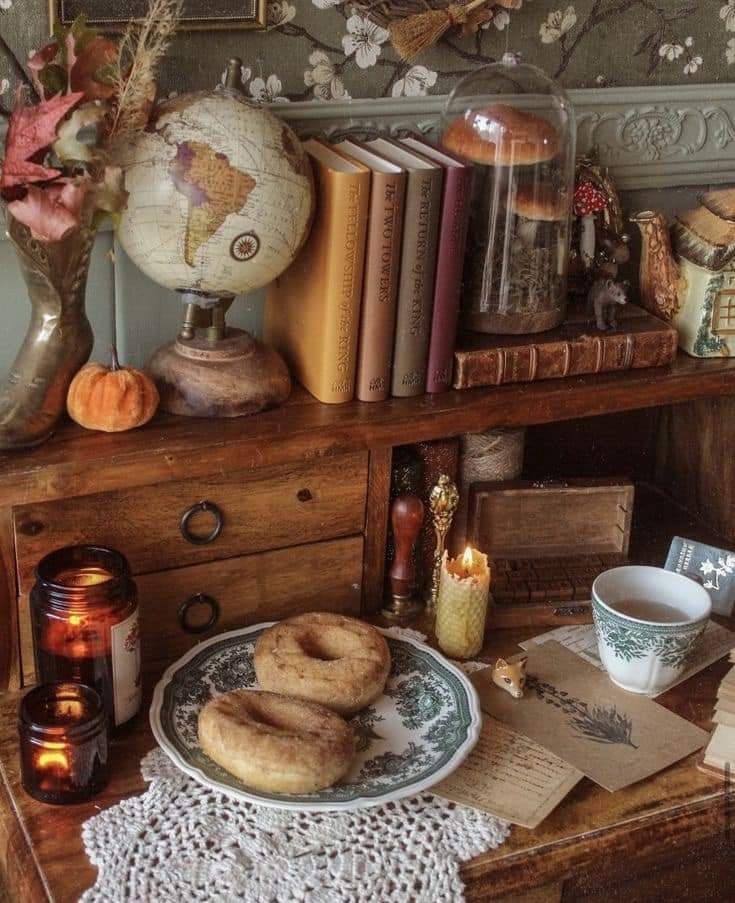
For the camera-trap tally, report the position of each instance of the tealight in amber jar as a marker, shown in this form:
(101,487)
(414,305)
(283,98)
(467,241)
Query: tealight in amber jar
(84,608)
(63,743)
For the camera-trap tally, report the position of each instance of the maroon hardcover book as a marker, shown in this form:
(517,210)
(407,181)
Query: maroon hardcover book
(449,264)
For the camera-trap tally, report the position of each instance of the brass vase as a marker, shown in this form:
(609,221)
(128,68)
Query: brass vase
(59,338)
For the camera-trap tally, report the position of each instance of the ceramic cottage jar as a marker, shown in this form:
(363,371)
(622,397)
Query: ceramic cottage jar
(517,126)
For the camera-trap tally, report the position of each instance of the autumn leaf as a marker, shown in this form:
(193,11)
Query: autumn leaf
(93,68)
(30,132)
(51,212)
(78,59)
(54,77)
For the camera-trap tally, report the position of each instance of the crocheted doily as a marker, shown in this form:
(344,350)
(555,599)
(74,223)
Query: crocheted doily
(180,841)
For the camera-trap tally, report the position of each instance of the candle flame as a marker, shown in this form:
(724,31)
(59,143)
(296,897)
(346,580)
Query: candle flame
(467,558)
(49,758)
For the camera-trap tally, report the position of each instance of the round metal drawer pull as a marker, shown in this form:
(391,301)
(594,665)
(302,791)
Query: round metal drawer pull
(212,509)
(192,602)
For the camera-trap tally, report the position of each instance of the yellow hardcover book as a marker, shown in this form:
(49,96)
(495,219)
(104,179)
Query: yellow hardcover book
(312,312)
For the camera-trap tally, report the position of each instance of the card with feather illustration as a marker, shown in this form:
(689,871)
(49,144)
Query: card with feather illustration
(573,710)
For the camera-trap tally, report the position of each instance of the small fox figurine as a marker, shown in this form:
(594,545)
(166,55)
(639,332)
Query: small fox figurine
(510,676)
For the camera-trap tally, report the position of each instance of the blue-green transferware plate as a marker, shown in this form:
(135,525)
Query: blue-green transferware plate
(414,736)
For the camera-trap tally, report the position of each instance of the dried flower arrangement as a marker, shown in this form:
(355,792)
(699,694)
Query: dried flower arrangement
(58,172)
(59,179)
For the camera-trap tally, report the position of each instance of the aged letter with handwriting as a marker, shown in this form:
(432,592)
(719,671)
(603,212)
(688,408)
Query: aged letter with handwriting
(510,776)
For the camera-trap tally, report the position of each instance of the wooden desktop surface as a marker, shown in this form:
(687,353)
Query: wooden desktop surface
(593,833)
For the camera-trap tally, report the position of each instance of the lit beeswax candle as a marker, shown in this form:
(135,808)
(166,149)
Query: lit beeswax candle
(464,586)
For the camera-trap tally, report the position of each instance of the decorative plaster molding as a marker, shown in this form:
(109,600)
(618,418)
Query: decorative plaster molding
(649,137)
(660,137)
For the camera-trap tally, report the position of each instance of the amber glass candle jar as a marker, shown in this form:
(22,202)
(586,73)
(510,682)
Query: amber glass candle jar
(63,743)
(84,607)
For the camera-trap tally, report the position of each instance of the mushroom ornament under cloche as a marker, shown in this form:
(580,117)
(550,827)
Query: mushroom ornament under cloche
(588,201)
(516,126)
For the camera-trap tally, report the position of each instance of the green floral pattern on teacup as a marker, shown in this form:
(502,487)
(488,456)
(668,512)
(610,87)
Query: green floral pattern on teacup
(673,644)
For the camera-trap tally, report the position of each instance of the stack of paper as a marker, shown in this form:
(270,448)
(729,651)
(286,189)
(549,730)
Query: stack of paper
(719,755)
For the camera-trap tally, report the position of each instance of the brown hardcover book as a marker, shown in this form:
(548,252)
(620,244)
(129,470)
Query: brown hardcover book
(382,266)
(313,310)
(572,349)
(418,266)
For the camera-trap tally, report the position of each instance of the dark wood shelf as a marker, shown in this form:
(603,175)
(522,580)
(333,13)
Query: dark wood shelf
(75,462)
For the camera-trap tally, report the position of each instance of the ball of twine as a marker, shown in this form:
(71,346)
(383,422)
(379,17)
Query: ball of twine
(494,455)
(485,457)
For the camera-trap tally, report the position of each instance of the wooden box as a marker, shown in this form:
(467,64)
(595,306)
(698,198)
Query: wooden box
(547,543)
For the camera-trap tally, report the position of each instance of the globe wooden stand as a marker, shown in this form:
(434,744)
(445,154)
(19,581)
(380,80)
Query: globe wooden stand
(217,371)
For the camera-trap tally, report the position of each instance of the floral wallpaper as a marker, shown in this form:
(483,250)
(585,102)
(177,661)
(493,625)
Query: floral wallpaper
(328,49)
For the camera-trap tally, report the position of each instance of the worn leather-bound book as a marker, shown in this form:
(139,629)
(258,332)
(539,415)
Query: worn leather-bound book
(453,224)
(312,312)
(418,266)
(572,349)
(382,266)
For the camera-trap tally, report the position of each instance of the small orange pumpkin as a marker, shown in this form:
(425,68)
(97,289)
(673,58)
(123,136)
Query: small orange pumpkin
(111,399)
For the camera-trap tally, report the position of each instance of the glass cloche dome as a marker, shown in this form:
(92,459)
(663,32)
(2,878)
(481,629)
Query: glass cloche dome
(517,126)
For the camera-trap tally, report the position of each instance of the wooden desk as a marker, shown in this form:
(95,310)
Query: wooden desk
(594,842)
(644,843)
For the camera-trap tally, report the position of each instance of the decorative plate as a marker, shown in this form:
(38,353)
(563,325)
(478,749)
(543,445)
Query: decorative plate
(415,735)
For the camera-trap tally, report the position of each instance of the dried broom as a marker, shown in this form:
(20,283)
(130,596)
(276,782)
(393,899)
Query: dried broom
(415,33)
(142,47)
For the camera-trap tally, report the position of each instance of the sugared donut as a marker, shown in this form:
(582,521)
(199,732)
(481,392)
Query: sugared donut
(339,662)
(274,743)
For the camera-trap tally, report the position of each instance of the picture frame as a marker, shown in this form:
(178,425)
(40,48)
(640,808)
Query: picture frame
(111,15)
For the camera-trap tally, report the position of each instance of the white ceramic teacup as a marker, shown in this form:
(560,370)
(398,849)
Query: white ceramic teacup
(642,653)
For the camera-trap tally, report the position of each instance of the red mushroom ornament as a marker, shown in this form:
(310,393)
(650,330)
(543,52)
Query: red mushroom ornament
(588,200)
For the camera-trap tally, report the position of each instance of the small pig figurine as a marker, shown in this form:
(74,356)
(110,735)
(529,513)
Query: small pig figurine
(510,676)
(604,296)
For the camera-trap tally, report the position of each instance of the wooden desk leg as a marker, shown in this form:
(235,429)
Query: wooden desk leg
(20,879)
(9,651)
(376,529)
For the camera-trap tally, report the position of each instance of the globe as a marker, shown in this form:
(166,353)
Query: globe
(220,195)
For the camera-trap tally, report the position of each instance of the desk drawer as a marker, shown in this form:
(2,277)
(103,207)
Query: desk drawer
(260,510)
(321,576)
